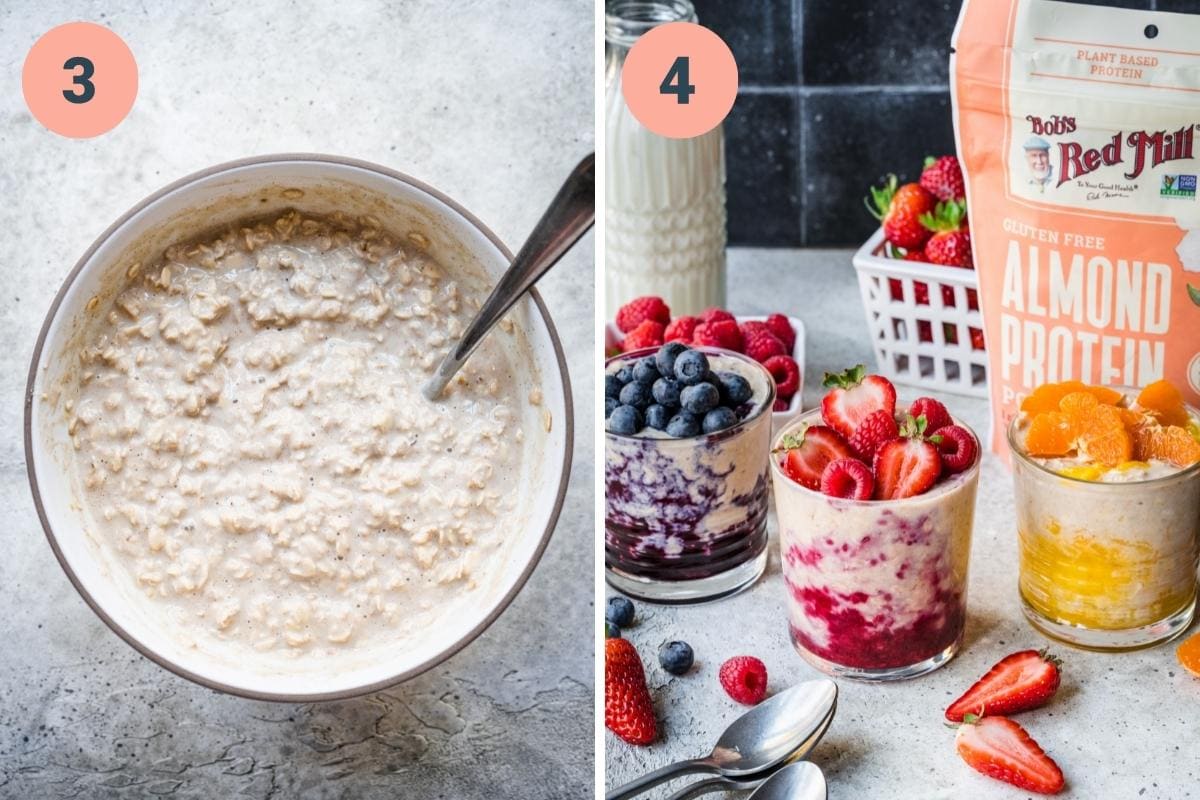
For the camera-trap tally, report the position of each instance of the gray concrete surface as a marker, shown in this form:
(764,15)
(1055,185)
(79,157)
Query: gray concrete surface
(493,103)
(1121,726)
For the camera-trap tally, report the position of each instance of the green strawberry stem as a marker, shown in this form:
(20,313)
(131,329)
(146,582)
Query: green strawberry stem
(845,380)
(880,201)
(947,216)
(1194,293)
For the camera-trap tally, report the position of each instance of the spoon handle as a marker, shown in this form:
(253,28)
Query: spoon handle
(717,784)
(660,775)
(568,217)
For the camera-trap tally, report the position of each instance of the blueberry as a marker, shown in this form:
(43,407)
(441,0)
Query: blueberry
(619,612)
(676,657)
(698,399)
(691,367)
(735,389)
(666,355)
(610,405)
(625,420)
(644,370)
(636,394)
(666,392)
(624,375)
(718,419)
(611,631)
(657,417)
(612,386)
(683,425)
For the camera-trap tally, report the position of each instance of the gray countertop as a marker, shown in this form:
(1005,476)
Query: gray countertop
(1121,725)
(492,103)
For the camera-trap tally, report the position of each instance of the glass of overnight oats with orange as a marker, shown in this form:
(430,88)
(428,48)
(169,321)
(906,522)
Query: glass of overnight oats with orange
(1107,487)
(875,510)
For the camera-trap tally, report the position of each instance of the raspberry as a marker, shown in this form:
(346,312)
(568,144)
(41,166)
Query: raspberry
(780,404)
(957,447)
(875,429)
(786,373)
(681,329)
(936,415)
(779,325)
(716,315)
(720,333)
(648,334)
(637,311)
(847,477)
(761,344)
(745,679)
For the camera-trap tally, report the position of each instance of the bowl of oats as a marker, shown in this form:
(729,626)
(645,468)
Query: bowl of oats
(228,446)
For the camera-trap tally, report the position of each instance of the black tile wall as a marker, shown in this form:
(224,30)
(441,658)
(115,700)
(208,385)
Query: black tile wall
(834,95)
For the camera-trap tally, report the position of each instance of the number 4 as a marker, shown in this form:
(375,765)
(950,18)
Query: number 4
(681,88)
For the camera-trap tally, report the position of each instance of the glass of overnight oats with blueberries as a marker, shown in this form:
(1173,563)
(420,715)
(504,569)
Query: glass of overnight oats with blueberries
(875,515)
(687,434)
(1107,484)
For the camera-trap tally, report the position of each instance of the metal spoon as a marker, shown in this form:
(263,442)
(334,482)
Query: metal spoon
(723,784)
(800,781)
(759,740)
(570,214)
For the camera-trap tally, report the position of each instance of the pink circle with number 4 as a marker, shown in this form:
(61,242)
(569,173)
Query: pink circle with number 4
(674,62)
(89,63)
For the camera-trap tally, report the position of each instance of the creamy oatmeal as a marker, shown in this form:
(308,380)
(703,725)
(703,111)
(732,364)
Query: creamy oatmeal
(254,453)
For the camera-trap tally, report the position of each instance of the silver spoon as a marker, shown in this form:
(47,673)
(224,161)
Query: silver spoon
(723,784)
(800,781)
(759,740)
(570,214)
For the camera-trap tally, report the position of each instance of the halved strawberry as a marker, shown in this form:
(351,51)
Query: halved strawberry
(805,456)
(1019,682)
(907,466)
(1001,749)
(853,396)
(628,710)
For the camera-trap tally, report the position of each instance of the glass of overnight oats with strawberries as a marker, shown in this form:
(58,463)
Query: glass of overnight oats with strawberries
(875,514)
(1107,484)
(687,436)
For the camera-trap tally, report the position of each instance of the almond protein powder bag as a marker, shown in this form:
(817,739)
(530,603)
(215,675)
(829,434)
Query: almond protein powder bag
(1077,128)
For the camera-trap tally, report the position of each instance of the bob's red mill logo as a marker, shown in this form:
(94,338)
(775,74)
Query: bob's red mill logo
(1138,149)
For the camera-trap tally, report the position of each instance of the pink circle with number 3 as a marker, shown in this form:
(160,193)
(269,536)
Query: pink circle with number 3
(653,80)
(91,64)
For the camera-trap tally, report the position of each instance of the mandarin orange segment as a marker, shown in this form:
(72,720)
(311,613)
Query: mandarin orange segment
(1107,396)
(1078,404)
(1051,433)
(1102,434)
(1168,443)
(1166,401)
(1045,397)
(1189,654)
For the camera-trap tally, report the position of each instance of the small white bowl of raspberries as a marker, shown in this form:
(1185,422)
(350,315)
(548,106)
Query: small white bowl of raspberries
(776,341)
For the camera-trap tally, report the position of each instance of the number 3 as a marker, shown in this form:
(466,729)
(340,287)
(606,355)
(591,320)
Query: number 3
(87,88)
(682,89)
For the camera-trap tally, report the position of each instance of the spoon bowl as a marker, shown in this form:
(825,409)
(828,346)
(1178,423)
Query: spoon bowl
(802,780)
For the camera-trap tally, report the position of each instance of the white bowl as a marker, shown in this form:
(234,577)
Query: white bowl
(613,338)
(216,197)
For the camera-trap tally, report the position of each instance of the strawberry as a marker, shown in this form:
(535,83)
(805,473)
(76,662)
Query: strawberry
(786,373)
(900,210)
(972,299)
(681,329)
(1019,682)
(781,326)
(853,395)
(1001,749)
(916,254)
(936,415)
(848,477)
(950,243)
(924,330)
(761,344)
(628,711)
(647,334)
(958,448)
(907,466)
(723,333)
(943,178)
(877,428)
(805,456)
(640,309)
(716,315)
(744,679)
(976,338)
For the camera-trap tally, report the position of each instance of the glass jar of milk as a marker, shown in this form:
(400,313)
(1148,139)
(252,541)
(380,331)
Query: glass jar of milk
(664,201)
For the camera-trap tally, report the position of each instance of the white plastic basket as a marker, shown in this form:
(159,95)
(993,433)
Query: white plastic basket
(922,344)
